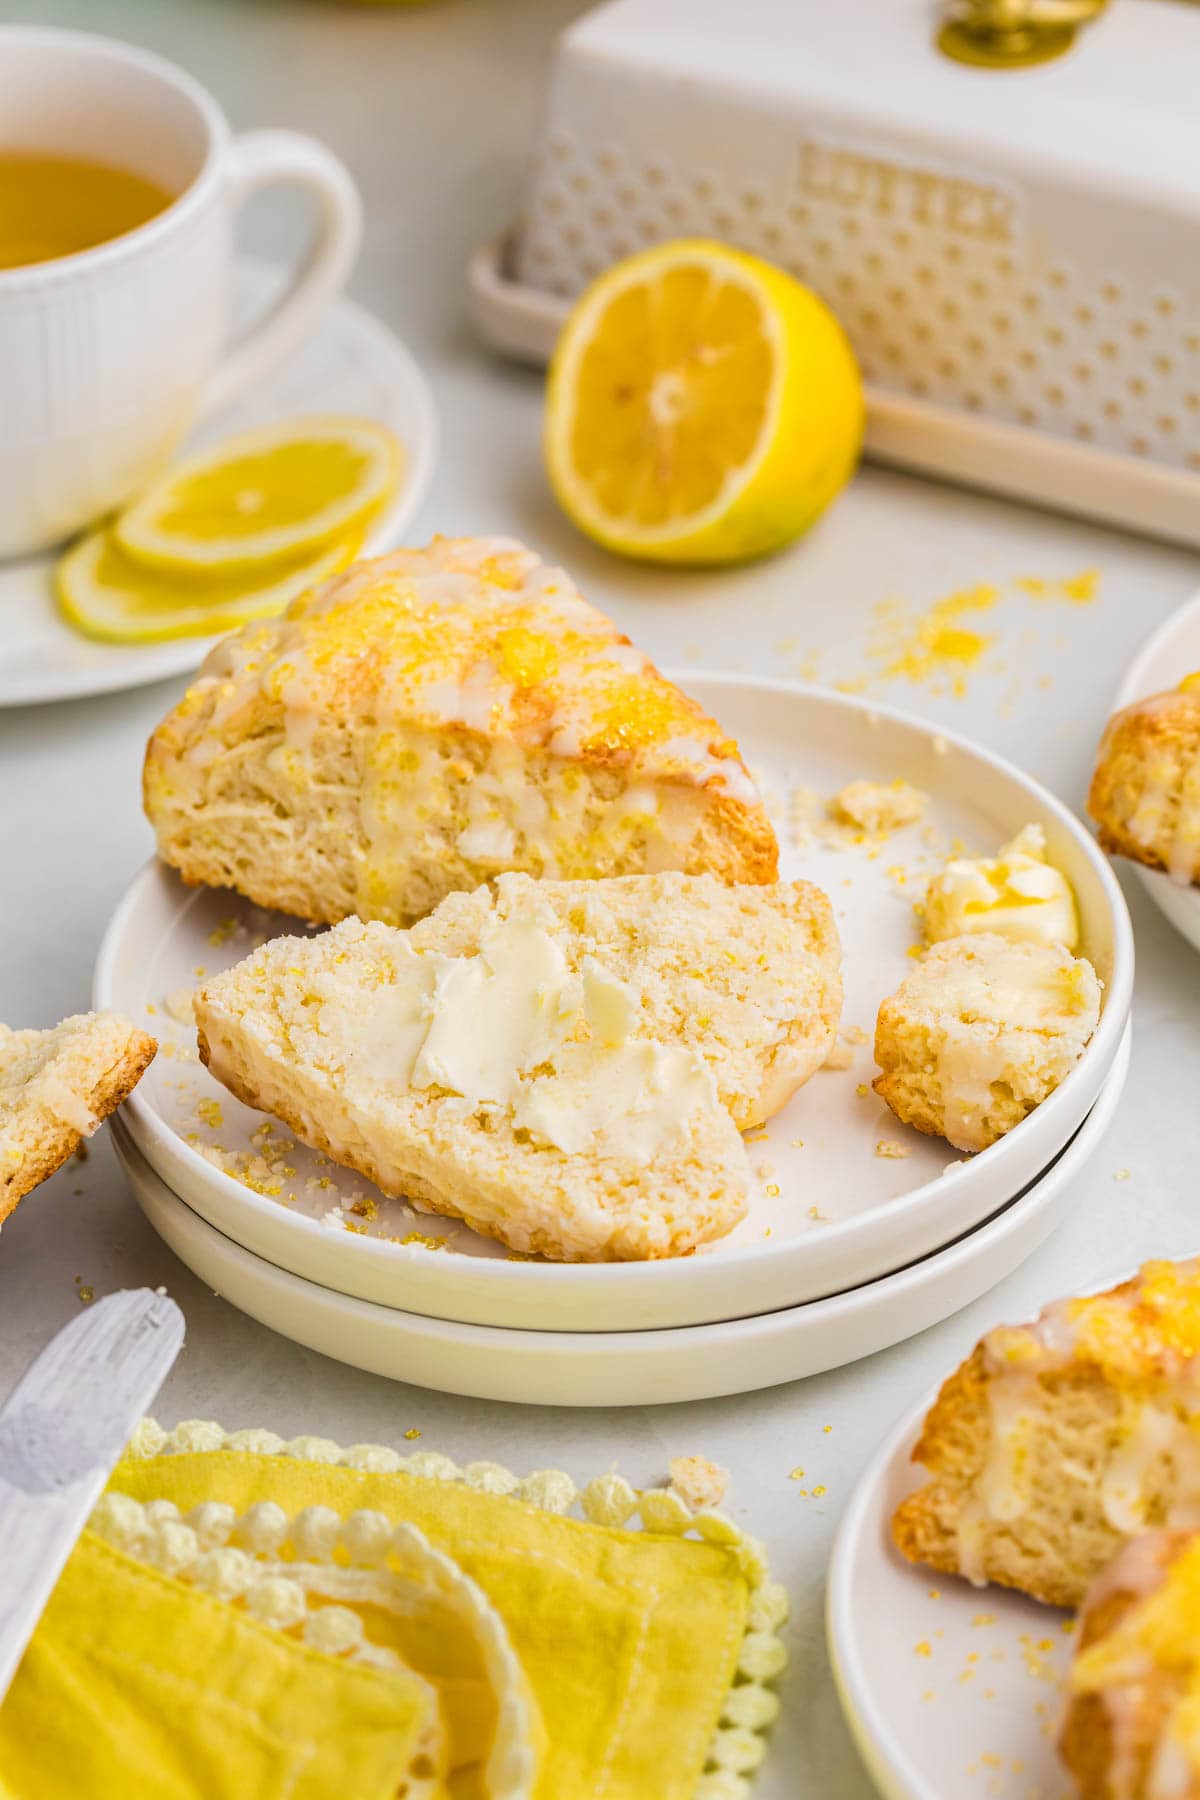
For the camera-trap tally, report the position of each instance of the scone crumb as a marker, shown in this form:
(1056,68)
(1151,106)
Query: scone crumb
(412,1433)
(892,1148)
(1120,1174)
(878,807)
(178,1004)
(698,1481)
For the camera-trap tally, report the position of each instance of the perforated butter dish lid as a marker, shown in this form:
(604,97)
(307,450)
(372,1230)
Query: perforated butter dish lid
(1008,250)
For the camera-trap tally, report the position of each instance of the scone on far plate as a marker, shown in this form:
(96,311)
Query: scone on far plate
(980,1032)
(1057,1441)
(427,720)
(1145,792)
(1132,1725)
(56,1087)
(560,1064)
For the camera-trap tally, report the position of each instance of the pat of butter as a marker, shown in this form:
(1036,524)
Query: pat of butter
(1017,895)
(626,1099)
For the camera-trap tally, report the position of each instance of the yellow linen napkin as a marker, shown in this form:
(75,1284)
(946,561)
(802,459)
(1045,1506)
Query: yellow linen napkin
(648,1652)
(138,1684)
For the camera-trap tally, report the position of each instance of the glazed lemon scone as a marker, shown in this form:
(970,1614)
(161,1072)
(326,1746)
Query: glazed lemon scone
(1057,1441)
(1016,894)
(1145,792)
(1132,1725)
(56,1087)
(980,1033)
(429,719)
(560,1064)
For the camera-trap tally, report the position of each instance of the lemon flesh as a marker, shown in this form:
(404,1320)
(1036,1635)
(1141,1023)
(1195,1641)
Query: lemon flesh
(108,595)
(270,495)
(703,407)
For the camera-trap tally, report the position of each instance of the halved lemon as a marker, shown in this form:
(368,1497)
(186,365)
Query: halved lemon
(268,495)
(108,595)
(703,407)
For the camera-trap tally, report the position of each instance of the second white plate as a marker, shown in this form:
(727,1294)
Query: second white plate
(626,1368)
(829,1212)
(1164,659)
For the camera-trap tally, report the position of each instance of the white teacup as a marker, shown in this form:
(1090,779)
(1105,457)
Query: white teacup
(109,356)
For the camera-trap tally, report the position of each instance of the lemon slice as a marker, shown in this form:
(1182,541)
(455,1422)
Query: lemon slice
(265,496)
(703,407)
(108,595)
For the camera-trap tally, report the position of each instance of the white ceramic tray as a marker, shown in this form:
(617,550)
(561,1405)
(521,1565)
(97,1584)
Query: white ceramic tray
(840,1214)
(627,1368)
(351,363)
(1166,657)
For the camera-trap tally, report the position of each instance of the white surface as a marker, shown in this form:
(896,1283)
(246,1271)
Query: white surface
(374,83)
(350,363)
(1171,653)
(112,354)
(627,1368)
(949,1689)
(816,1157)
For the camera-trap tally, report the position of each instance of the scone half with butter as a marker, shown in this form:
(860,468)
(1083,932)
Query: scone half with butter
(1058,1441)
(564,1065)
(428,720)
(979,1034)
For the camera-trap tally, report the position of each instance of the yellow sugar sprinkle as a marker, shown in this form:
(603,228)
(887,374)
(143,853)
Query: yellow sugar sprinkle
(151,1008)
(199,971)
(1120,1174)
(412,1433)
(86,1294)
(862,1090)
(935,1593)
(817,1492)
(796,1475)
(827,1428)
(984,1619)
(209,1113)
(366,1207)
(929,1694)
(924,1648)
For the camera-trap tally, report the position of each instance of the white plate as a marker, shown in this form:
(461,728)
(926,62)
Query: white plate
(350,364)
(627,1368)
(950,1690)
(876,1214)
(1171,653)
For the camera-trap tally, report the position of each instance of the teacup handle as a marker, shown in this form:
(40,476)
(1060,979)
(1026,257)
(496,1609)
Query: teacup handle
(259,158)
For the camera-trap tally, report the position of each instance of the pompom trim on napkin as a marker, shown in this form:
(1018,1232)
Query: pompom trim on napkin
(242,1560)
(738,1744)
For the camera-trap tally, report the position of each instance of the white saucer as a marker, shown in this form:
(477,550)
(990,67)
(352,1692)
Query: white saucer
(948,1689)
(1171,653)
(874,1214)
(351,364)
(626,1368)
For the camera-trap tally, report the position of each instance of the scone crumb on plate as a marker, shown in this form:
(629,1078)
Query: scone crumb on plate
(892,1148)
(878,807)
(698,1481)
(178,1004)
(1120,1174)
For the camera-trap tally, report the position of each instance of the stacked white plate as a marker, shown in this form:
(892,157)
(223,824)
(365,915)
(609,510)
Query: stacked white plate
(846,1247)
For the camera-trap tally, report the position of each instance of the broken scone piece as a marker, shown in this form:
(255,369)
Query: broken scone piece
(1016,894)
(980,1033)
(55,1088)
(1057,1441)
(1132,1724)
(1145,792)
(561,1064)
(879,807)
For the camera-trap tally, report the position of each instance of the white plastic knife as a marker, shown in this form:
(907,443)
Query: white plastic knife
(62,1430)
